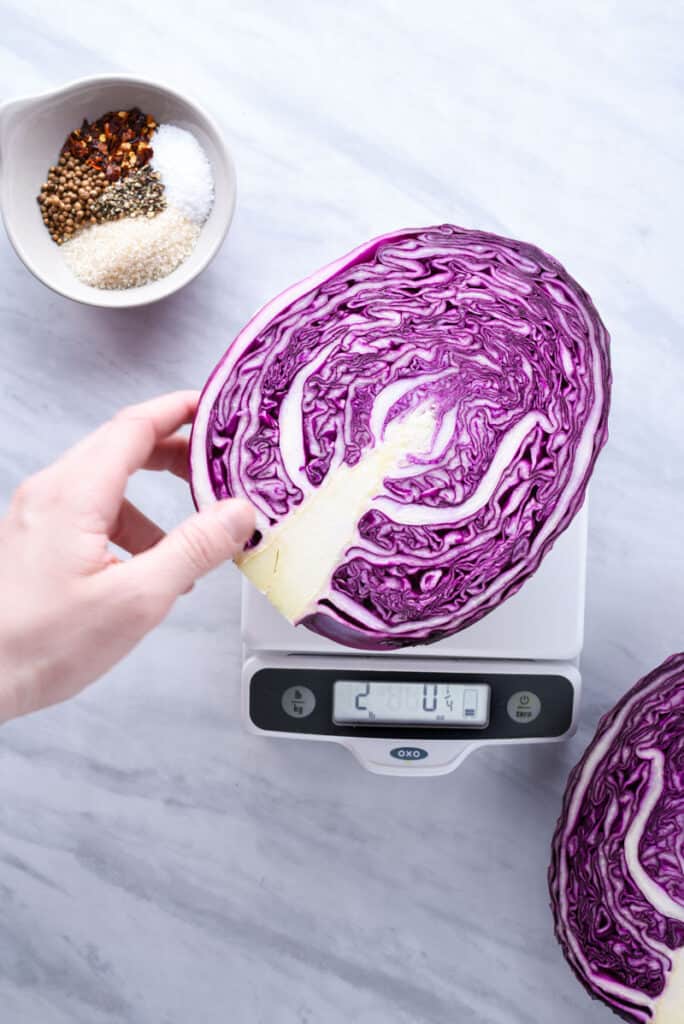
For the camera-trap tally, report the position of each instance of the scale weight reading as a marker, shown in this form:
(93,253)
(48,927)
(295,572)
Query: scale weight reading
(383,701)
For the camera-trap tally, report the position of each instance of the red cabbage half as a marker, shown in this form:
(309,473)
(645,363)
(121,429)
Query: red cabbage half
(416,424)
(617,871)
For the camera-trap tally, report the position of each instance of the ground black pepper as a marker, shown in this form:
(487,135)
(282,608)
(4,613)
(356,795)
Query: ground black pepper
(139,194)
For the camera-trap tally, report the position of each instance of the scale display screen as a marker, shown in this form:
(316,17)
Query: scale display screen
(360,702)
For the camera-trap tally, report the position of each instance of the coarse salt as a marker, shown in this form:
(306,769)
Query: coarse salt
(131,252)
(185,171)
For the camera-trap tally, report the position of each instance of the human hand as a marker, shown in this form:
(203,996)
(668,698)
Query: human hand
(69,609)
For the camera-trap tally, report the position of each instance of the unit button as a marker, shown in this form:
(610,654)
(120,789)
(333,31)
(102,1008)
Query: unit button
(298,701)
(523,707)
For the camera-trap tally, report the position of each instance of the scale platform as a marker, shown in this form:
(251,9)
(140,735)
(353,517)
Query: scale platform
(510,678)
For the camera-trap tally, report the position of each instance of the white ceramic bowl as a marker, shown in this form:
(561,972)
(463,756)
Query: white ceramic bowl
(32,132)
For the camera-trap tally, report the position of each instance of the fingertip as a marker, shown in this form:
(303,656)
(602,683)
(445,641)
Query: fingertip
(239,517)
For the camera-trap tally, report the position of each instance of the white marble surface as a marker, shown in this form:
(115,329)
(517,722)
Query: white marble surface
(157,865)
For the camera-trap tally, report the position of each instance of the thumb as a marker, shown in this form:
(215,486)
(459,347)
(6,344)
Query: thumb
(197,546)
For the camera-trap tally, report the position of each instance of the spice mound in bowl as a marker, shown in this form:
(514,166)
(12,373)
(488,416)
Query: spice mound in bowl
(127,199)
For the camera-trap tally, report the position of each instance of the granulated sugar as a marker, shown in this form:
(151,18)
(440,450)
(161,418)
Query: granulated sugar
(184,170)
(131,252)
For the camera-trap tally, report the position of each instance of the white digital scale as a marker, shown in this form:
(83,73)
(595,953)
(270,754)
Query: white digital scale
(510,678)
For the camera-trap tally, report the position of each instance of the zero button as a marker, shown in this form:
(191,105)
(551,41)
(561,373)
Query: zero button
(523,707)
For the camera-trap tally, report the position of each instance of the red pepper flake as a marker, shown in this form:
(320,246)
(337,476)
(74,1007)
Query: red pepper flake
(116,143)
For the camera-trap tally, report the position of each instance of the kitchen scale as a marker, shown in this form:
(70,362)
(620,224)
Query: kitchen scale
(510,678)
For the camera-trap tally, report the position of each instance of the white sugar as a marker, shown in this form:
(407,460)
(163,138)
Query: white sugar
(131,252)
(185,171)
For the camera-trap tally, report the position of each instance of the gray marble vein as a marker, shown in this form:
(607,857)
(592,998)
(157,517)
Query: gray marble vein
(158,865)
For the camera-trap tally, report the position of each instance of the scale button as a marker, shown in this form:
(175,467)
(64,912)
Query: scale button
(298,701)
(523,707)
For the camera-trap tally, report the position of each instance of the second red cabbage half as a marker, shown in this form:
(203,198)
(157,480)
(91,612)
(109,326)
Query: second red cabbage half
(416,424)
(617,871)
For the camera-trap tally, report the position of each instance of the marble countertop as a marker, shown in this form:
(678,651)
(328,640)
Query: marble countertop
(157,864)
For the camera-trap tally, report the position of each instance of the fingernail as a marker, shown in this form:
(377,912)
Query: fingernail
(239,517)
